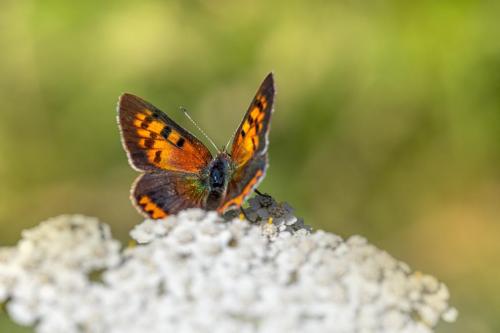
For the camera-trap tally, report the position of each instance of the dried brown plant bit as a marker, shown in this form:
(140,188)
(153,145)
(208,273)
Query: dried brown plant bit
(261,207)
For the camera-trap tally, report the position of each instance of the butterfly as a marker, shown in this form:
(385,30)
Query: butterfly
(179,172)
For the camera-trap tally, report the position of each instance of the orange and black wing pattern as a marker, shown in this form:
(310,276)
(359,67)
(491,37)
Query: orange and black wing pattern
(251,137)
(159,194)
(171,157)
(249,150)
(153,141)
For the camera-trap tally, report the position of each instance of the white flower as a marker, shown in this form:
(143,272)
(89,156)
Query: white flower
(196,272)
(147,231)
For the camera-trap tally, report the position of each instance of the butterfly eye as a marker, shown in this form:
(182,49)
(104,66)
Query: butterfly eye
(217,175)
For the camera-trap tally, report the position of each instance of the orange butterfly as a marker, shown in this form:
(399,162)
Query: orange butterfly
(179,172)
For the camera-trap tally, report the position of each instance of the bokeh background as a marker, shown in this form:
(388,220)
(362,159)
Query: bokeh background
(387,119)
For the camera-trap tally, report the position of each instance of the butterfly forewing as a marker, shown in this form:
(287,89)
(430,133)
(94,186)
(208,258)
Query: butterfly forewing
(251,137)
(154,141)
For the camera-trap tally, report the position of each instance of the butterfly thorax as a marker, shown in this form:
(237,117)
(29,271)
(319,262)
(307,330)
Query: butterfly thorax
(219,173)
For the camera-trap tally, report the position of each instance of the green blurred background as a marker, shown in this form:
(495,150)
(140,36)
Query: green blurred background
(387,118)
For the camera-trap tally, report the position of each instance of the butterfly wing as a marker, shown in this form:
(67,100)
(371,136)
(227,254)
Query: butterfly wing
(172,158)
(154,142)
(249,149)
(158,194)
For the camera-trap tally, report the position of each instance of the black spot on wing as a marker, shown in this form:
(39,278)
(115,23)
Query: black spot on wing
(157,156)
(149,143)
(165,132)
(180,142)
(258,103)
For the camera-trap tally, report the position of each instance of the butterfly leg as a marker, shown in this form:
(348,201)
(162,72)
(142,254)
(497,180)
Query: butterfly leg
(259,193)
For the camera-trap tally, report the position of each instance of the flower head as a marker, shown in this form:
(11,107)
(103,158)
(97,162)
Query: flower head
(195,272)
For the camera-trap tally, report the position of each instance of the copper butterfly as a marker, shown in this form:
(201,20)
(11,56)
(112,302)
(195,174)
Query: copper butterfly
(179,172)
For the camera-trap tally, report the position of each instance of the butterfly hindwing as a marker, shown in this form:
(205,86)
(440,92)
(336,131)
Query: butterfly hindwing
(153,141)
(159,194)
(243,182)
(249,150)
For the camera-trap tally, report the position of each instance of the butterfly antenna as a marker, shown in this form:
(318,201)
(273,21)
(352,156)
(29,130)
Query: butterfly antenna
(183,110)
(230,140)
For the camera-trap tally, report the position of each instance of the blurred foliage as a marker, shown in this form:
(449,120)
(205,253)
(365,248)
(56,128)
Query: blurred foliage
(387,119)
(6,325)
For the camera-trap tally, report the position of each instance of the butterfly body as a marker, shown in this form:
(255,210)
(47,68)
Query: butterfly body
(179,172)
(219,173)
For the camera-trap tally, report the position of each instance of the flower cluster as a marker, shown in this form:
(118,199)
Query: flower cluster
(196,272)
(46,276)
